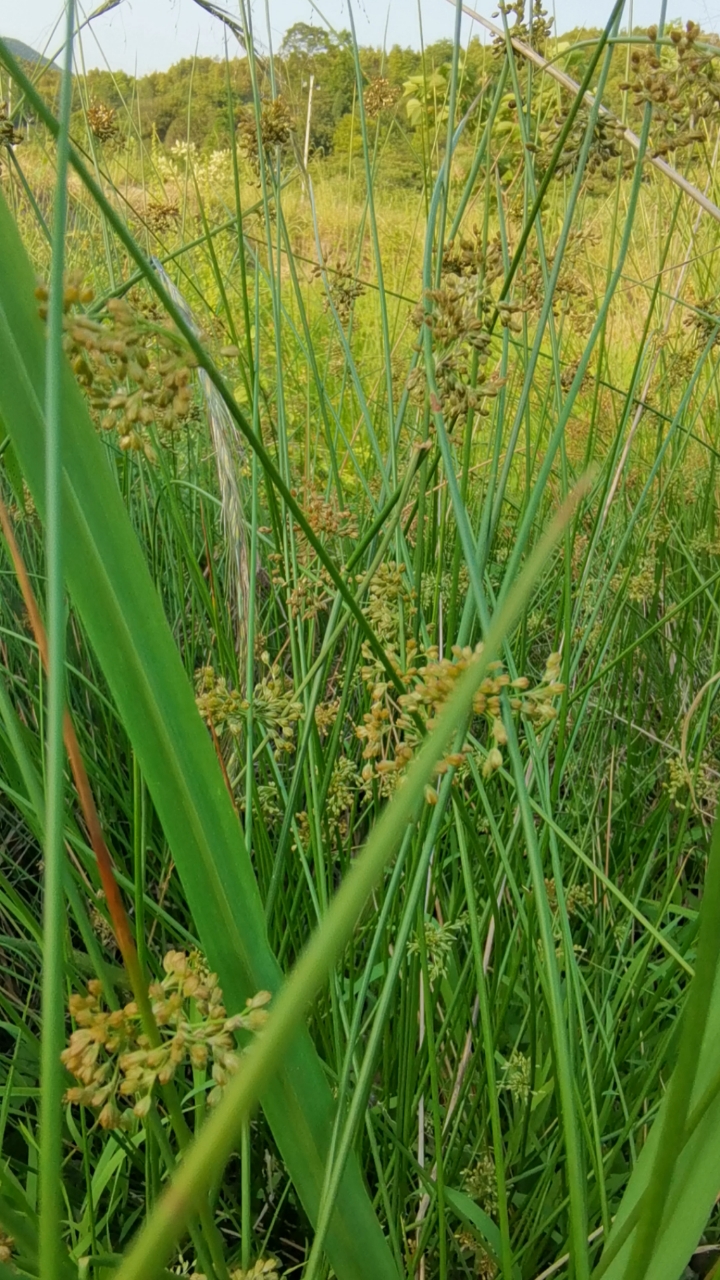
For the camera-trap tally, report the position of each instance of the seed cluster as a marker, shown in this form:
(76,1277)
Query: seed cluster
(392,728)
(326,519)
(464,256)
(518,1076)
(682,83)
(641,587)
(275,706)
(577,898)
(115,1059)
(162,215)
(439,942)
(678,780)
(345,786)
(102,928)
(606,147)
(390,604)
(134,373)
(483,1266)
(221,708)
(480,1182)
(535,31)
(310,595)
(461,344)
(702,322)
(431,588)
(103,123)
(703,790)
(458,314)
(572,294)
(380,95)
(262,1269)
(326,715)
(275,131)
(9,136)
(343,287)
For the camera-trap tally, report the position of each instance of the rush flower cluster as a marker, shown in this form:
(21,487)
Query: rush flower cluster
(116,1061)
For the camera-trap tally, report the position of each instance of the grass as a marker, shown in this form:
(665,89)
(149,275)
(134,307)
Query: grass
(481,896)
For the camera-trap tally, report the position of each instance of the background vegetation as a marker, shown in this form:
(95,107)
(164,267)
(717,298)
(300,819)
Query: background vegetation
(315,421)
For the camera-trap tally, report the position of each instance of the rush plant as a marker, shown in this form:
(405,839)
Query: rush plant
(359,620)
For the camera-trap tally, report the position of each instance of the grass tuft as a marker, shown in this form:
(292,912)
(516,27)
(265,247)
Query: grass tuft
(359,455)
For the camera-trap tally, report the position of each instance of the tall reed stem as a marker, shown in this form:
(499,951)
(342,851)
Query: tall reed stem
(51,1076)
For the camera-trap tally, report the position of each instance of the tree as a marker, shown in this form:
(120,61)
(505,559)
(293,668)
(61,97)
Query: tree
(311,51)
(304,42)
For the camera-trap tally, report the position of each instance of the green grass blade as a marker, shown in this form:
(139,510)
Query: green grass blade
(53,1030)
(671,1194)
(111,588)
(470,1212)
(219,1135)
(202,356)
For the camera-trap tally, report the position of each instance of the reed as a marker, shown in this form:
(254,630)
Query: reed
(387,518)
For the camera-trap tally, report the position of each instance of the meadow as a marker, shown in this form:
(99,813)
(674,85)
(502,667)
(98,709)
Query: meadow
(359,624)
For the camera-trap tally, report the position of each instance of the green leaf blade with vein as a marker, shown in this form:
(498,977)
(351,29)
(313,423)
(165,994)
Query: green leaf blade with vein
(688,1189)
(112,591)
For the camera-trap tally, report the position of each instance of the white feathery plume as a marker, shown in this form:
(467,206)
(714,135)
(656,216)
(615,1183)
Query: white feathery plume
(229,453)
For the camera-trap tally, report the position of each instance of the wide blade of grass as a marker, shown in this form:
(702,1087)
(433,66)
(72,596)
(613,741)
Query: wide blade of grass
(112,591)
(675,1185)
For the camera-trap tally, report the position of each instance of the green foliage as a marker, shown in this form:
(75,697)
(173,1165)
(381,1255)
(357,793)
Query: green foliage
(310,51)
(305,468)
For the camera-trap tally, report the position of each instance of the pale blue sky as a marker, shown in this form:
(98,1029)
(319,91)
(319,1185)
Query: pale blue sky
(148,35)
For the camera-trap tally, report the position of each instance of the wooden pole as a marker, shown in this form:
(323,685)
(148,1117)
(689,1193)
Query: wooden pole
(306,148)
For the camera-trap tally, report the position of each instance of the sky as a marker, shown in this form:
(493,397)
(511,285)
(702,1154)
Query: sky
(149,35)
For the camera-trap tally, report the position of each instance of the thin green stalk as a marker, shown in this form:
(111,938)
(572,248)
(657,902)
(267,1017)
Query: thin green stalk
(363,1076)
(506,1260)
(139,863)
(245,1192)
(53,1031)
(208,365)
(531,511)
(429,1029)
(219,1135)
(557,149)
(387,353)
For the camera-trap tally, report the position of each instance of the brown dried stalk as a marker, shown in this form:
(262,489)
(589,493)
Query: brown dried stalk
(118,914)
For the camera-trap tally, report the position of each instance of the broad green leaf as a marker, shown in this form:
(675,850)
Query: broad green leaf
(676,1181)
(695,1183)
(111,588)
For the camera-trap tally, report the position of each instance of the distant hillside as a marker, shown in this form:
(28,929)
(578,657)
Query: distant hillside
(20,50)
